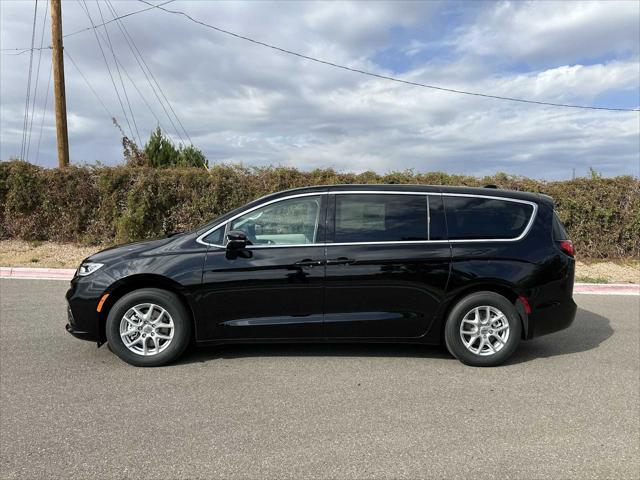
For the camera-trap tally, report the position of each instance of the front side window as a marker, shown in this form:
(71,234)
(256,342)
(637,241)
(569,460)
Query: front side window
(485,218)
(380,218)
(289,222)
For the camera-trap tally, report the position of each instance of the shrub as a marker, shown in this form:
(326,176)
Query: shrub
(124,203)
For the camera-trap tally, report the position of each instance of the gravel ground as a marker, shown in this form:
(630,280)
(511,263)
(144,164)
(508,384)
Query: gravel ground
(566,405)
(18,253)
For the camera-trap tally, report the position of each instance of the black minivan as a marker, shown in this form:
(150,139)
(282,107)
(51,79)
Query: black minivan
(477,269)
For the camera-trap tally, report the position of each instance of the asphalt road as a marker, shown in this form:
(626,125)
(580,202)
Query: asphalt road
(566,406)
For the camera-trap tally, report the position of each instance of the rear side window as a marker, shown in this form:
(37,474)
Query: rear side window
(559,233)
(485,218)
(380,218)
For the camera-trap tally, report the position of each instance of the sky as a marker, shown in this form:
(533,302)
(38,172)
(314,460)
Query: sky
(243,103)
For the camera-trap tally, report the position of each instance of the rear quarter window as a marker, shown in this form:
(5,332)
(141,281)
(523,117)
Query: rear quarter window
(471,218)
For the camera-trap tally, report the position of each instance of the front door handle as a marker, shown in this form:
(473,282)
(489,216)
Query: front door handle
(341,261)
(308,263)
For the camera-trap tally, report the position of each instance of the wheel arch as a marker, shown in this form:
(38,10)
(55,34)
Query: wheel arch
(501,288)
(135,282)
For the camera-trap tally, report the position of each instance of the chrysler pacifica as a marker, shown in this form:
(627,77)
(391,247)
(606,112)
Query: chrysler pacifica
(477,269)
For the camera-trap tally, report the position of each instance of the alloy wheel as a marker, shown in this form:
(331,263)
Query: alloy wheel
(484,330)
(146,329)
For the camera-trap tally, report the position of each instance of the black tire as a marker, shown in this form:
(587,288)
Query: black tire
(454,341)
(167,300)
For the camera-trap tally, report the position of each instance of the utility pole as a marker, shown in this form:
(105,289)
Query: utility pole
(58,84)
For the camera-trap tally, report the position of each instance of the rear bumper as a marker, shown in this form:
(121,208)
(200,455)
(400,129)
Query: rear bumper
(552,318)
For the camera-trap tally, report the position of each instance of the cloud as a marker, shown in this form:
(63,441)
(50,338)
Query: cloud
(553,32)
(244,103)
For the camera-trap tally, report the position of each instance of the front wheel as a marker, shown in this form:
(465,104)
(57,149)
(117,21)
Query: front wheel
(483,329)
(148,327)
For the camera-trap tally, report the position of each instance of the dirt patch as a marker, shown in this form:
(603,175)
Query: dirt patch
(18,253)
(623,271)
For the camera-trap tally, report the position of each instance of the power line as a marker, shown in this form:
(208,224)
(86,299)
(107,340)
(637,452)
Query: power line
(23,50)
(44,111)
(384,77)
(126,96)
(104,57)
(149,77)
(35,90)
(73,62)
(28,96)
(140,93)
(120,17)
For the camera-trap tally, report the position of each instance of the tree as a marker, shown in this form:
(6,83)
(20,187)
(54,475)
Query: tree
(160,152)
(190,156)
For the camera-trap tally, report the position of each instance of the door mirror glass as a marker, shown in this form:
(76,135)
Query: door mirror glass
(236,240)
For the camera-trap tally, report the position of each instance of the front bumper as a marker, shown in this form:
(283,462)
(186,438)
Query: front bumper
(79,333)
(82,318)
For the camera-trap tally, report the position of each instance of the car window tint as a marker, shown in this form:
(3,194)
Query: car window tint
(479,218)
(216,237)
(289,222)
(380,218)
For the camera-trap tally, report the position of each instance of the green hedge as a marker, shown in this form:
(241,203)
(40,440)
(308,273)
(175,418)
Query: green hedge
(117,204)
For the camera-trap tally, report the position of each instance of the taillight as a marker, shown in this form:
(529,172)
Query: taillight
(567,247)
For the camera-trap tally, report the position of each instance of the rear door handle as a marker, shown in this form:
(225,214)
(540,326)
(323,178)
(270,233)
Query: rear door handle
(307,262)
(341,261)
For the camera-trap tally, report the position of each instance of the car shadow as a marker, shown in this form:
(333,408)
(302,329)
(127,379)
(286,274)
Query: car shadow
(204,354)
(587,332)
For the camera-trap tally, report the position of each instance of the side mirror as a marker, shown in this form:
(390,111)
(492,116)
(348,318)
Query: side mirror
(236,240)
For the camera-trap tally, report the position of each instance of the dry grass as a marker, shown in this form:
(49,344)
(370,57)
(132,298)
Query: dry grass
(18,253)
(598,271)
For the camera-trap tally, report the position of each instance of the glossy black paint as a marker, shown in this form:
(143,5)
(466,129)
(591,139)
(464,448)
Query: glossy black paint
(333,292)
(262,293)
(385,290)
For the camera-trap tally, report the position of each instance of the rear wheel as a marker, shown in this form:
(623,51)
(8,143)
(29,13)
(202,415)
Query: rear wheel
(483,329)
(148,327)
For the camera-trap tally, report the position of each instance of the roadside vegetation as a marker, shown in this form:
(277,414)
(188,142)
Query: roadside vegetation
(93,205)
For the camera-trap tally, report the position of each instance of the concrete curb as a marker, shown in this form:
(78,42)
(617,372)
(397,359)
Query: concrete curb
(37,273)
(607,288)
(67,274)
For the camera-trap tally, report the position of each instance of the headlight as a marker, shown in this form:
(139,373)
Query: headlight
(87,268)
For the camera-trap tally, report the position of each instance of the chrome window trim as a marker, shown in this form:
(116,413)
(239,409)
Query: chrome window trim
(524,233)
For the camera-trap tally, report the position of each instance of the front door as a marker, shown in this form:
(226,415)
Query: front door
(387,265)
(272,289)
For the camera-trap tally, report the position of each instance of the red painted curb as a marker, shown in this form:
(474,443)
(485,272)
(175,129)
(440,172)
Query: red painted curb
(67,274)
(37,273)
(607,288)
